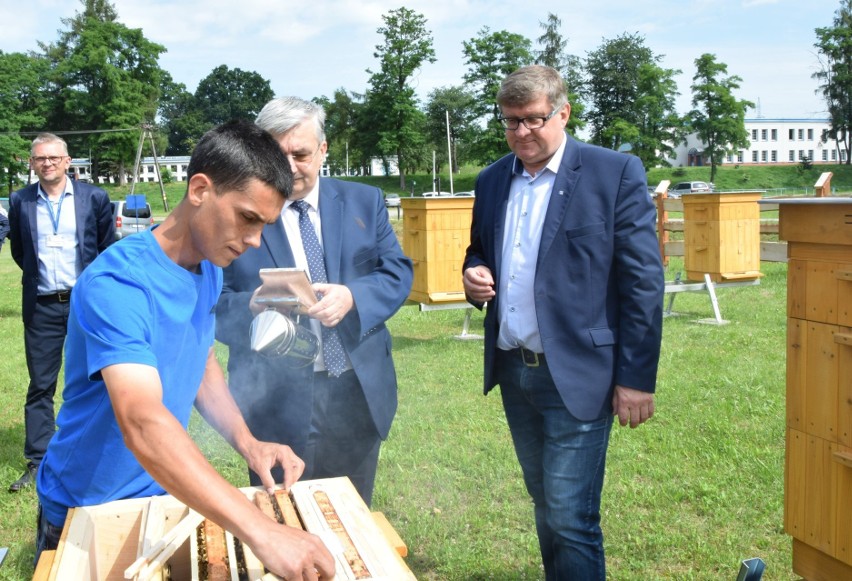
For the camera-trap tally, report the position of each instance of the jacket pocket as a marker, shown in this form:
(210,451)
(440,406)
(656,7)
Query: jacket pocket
(602,336)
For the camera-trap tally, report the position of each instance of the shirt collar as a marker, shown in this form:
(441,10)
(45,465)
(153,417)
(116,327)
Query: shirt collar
(312,199)
(552,165)
(69,189)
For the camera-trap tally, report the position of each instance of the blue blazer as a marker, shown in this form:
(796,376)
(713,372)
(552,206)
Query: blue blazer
(95,232)
(361,252)
(599,279)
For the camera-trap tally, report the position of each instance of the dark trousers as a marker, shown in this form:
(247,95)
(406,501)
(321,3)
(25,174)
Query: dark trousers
(44,339)
(47,535)
(343,440)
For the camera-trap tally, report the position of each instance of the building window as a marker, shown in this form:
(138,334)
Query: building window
(810,134)
(801,134)
(774,135)
(740,155)
(811,154)
(754,156)
(763,156)
(791,135)
(774,155)
(833,155)
(730,158)
(843,156)
(825,155)
(792,156)
(801,154)
(763,134)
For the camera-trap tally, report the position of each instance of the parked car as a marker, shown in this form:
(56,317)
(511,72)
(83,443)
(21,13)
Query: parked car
(437,194)
(689,188)
(131,216)
(469,194)
(392,200)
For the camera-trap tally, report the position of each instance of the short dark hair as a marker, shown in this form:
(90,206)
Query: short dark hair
(238,151)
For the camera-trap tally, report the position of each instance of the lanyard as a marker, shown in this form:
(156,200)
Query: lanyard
(54,218)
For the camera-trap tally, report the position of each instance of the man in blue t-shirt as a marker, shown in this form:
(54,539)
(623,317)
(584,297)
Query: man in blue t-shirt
(139,355)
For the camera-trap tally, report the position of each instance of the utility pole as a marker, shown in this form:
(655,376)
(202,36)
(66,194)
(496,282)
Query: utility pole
(146,132)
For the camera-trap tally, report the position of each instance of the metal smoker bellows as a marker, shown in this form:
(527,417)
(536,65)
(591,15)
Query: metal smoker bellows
(276,335)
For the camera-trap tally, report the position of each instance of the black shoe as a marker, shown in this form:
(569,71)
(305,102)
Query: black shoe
(26,479)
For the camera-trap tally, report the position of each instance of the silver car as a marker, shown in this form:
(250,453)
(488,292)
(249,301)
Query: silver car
(131,216)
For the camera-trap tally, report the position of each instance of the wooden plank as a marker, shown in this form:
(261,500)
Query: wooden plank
(813,565)
(390,534)
(45,562)
(843,496)
(820,515)
(821,380)
(795,482)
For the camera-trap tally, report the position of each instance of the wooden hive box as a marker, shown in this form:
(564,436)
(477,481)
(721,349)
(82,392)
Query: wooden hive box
(818,459)
(436,233)
(721,236)
(100,542)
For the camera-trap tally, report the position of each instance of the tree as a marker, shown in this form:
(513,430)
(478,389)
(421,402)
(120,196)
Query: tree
(612,87)
(717,116)
(227,94)
(459,105)
(180,119)
(105,83)
(658,126)
(553,54)
(341,116)
(835,75)
(490,57)
(390,99)
(22,108)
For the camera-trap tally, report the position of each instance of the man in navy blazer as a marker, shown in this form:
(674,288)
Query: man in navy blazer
(335,423)
(57,227)
(564,252)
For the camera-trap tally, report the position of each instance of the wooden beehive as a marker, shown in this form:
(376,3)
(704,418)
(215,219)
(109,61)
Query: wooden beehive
(721,236)
(818,461)
(436,233)
(100,542)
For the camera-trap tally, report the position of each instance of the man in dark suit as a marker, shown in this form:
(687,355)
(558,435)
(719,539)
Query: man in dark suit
(334,413)
(57,228)
(563,250)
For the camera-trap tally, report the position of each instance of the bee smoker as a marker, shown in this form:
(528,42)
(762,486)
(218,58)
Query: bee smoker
(274,334)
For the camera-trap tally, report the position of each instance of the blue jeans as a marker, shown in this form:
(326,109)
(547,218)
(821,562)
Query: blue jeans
(563,461)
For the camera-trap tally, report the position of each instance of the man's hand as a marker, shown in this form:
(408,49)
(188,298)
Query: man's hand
(335,303)
(479,283)
(292,553)
(261,457)
(632,405)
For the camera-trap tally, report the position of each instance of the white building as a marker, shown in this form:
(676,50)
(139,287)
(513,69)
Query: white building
(772,142)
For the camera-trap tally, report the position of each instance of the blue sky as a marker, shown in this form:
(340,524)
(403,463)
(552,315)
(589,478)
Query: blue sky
(312,48)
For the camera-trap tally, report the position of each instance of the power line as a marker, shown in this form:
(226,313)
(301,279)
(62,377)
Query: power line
(80,132)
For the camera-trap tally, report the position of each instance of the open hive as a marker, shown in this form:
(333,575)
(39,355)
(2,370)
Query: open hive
(102,542)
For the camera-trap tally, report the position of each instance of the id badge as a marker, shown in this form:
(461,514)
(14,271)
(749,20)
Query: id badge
(55,241)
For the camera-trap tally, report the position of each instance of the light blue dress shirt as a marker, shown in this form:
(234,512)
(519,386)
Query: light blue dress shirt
(529,198)
(59,263)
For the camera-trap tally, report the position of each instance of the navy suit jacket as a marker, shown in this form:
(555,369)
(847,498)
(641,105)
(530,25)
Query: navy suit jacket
(362,252)
(599,279)
(95,231)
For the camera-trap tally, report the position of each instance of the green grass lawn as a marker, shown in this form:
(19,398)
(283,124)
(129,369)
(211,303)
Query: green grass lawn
(687,496)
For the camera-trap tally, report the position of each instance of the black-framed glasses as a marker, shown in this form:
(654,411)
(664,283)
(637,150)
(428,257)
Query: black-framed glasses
(303,158)
(512,123)
(43,159)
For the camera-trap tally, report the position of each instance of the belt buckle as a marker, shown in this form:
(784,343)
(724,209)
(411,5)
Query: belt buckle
(63,296)
(530,357)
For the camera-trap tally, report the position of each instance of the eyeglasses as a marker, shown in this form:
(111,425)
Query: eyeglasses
(303,158)
(512,123)
(54,159)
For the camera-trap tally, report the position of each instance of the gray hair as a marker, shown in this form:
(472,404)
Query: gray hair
(48,138)
(529,83)
(282,114)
